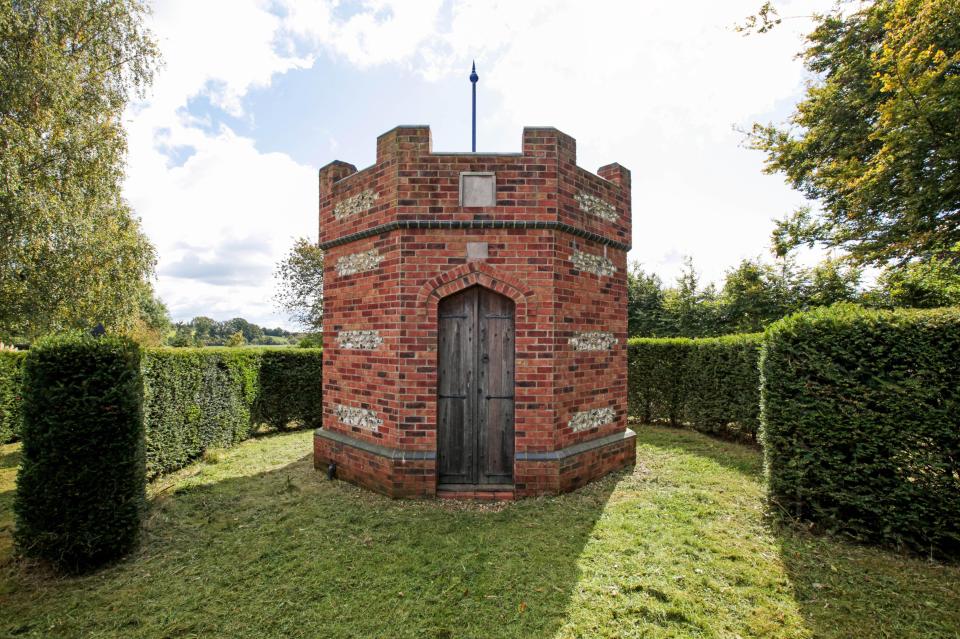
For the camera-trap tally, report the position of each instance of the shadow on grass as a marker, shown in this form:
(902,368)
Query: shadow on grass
(844,589)
(9,459)
(288,553)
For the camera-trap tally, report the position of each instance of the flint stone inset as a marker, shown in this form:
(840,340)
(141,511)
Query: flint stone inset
(359,340)
(593,341)
(359,417)
(595,206)
(354,204)
(358,262)
(590,263)
(591,419)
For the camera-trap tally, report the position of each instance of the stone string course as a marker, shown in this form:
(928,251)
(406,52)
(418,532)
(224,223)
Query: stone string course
(595,206)
(355,204)
(358,262)
(359,340)
(593,341)
(590,263)
(591,419)
(359,417)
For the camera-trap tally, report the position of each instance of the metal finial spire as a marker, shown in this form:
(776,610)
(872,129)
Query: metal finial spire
(473,80)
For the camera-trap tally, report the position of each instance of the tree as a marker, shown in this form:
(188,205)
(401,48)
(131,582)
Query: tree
(644,304)
(930,284)
(299,278)
(690,311)
(153,323)
(756,294)
(237,339)
(71,252)
(827,283)
(874,141)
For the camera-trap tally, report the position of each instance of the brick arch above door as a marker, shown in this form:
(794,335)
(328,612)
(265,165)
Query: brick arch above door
(472,274)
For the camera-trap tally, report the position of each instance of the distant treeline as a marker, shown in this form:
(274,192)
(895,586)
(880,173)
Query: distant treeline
(204,331)
(755,294)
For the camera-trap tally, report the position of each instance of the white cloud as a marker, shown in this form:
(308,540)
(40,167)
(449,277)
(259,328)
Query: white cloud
(654,86)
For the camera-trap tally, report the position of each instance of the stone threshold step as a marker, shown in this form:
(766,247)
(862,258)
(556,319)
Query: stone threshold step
(490,492)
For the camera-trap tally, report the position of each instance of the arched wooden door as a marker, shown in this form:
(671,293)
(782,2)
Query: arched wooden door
(475,358)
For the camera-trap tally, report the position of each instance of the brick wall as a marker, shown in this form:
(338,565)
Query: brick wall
(396,240)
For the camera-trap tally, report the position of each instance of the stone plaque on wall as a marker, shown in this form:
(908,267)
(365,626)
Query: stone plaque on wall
(478,189)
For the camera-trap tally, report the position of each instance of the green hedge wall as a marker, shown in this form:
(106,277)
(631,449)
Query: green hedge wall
(711,384)
(11,363)
(80,487)
(723,376)
(200,398)
(861,423)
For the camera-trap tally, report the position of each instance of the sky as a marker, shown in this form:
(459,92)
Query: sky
(254,96)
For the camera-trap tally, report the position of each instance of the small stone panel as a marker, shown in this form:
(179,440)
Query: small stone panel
(595,206)
(359,417)
(590,263)
(478,189)
(358,262)
(355,204)
(591,419)
(593,341)
(359,340)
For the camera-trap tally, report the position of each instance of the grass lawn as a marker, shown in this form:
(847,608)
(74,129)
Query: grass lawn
(253,543)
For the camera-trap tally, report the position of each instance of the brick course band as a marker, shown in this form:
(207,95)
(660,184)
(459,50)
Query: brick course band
(359,417)
(577,449)
(593,341)
(475,224)
(394,453)
(359,340)
(375,449)
(591,418)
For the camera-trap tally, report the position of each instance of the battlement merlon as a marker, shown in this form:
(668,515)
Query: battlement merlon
(548,158)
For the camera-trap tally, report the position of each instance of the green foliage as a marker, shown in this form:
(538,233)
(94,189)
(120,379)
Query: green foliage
(204,331)
(754,295)
(11,363)
(874,140)
(290,388)
(929,283)
(71,252)
(645,313)
(657,384)
(195,399)
(299,278)
(237,339)
(712,384)
(861,423)
(80,489)
(723,382)
(311,340)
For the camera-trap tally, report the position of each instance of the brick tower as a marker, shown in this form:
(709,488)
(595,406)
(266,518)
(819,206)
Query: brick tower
(474,319)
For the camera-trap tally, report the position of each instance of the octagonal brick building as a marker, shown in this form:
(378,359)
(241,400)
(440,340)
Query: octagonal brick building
(474,319)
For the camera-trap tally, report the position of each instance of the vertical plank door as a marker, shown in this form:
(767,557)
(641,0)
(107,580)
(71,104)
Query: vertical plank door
(475,388)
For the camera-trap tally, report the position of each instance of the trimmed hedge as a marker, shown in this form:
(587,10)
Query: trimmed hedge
(200,398)
(195,399)
(291,388)
(724,385)
(11,363)
(861,423)
(712,384)
(80,488)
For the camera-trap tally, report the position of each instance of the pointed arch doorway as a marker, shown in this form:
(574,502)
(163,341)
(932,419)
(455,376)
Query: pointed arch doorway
(475,389)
